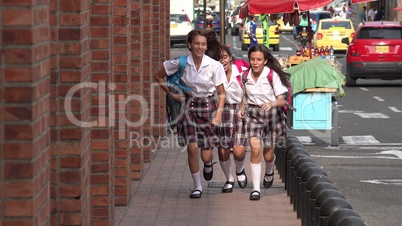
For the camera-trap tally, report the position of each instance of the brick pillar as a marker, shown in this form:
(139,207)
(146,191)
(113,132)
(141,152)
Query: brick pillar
(73,157)
(147,76)
(136,132)
(102,135)
(55,117)
(158,95)
(25,137)
(122,79)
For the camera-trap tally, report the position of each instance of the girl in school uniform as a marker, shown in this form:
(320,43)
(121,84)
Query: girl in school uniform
(264,125)
(196,127)
(229,125)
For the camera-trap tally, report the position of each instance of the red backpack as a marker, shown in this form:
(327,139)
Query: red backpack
(241,64)
(288,95)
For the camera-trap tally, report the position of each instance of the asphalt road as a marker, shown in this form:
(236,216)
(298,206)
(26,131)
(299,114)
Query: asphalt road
(366,165)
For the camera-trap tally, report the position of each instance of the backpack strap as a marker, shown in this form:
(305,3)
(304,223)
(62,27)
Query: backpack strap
(182,65)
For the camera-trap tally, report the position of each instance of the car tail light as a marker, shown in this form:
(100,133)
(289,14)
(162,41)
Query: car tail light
(314,21)
(353,50)
(277,30)
(352,35)
(319,36)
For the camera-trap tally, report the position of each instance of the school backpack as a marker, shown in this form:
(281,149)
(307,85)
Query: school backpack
(288,95)
(242,66)
(173,80)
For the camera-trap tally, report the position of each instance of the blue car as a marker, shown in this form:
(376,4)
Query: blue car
(315,17)
(215,23)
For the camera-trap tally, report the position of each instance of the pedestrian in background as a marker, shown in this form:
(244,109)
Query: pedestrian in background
(253,32)
(371,14)
(230,124)
(264,124)
(363,14)
(380,14)
(197,125)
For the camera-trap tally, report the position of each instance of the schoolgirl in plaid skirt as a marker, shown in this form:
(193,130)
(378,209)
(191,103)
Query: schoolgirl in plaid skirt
(229,125)
(263,124)
(196,127)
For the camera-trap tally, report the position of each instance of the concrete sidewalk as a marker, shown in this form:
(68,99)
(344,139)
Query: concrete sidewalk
(162,196)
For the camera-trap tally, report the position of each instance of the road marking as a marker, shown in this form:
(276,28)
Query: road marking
(360,140)
(371,115)
(306,140)
(286,48)
(394,109)
(386,182)
(349,111)
(378,98)
(397,153)
(364,89)
(353,157)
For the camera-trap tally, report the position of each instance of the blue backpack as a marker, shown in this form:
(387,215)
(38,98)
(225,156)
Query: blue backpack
(173,81)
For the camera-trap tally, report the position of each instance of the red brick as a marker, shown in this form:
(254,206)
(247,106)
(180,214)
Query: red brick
(71,219)
(17,17)
(18,208)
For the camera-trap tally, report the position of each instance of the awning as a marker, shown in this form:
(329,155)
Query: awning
(362,1)
(252,7)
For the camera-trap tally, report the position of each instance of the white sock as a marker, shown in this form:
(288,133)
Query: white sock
(197,181)
(227,169)
(208,169)
(269,169)
(239,168)
(255,175)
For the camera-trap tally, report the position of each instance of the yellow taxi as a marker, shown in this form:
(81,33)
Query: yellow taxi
(274,37)
(330,32)
(283,27)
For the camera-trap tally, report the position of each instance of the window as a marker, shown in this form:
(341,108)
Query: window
(376,33)
(335,24)
(178,18)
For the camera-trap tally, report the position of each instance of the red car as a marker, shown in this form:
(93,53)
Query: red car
(375,52)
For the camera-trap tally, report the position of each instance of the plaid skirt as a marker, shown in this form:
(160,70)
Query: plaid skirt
(229,126)
(268,125)
(195,124)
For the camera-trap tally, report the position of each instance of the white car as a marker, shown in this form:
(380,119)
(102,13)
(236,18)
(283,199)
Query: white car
(180,26)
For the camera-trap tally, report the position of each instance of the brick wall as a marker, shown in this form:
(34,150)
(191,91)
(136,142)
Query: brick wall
(72,73)
(122,79)
(102,112)
(136,89)
(25,160)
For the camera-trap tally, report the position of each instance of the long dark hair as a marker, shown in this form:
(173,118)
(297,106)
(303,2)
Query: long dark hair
(214,46)
(272,62)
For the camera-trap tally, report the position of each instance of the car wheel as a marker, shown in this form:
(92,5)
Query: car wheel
(350,82)
(276,47)
(244,47)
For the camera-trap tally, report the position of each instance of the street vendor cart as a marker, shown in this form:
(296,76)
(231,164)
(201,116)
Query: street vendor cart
(316,86)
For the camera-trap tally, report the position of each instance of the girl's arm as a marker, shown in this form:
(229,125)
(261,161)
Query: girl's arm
(222,97)
(160,79)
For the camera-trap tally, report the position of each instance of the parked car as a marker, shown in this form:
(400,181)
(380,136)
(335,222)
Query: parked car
(216,22)
(331,31)
(274,37)
(180,26)
(315,17)
(375,52)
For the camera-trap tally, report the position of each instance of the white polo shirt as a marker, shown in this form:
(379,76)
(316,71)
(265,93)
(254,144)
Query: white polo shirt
(261,92)
(234,92)
(203,82)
